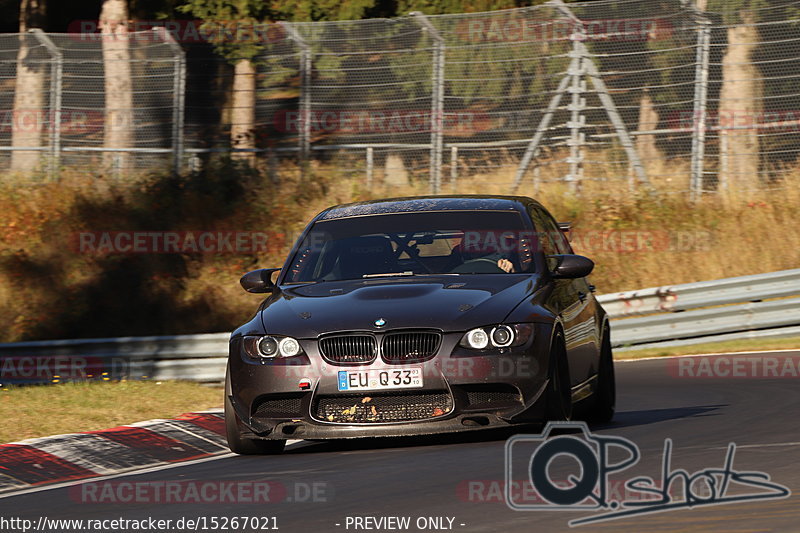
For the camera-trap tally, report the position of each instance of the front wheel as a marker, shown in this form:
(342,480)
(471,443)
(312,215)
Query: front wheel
(239,444)
(558,395)
(604,398)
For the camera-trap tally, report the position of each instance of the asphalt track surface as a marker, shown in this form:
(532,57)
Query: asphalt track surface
(454,476)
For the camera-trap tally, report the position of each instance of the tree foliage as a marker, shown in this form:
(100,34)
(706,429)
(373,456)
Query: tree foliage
(240,16)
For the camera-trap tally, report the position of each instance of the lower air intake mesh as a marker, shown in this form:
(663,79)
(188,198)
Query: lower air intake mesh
(378,408)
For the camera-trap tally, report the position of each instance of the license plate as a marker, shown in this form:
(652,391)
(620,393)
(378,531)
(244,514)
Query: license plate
(357,380)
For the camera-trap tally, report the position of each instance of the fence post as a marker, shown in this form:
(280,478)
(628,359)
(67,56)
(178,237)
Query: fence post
(437,100)
(577,138)
(724,169)
(699,114)
(56,85)
(305,91)
(580,65)
(532,149)
(587,66)
(453,166)
(616,120)
(370,167)
(179,100)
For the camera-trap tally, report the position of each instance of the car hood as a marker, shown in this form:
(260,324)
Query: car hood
(450,303)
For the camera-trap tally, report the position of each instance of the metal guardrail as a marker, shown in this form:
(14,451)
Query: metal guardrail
(702,294)
(693,313)
(706,311)
(188,357)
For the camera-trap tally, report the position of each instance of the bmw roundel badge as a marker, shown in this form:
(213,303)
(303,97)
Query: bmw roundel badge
(380,323)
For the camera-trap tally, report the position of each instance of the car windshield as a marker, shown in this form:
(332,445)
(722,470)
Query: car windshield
(409,244)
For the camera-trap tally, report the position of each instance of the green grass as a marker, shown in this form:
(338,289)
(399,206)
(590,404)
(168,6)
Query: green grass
(42,410)
(745,345)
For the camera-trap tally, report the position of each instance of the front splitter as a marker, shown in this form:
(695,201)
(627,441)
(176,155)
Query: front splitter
(312,430)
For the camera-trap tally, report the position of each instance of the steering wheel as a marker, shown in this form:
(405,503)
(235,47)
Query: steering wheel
(481,265)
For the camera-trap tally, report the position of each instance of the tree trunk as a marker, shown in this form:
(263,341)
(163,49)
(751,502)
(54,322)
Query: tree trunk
(648,120)
(243,115)
(740,105)
(395,173)
(30,111)
(118,89)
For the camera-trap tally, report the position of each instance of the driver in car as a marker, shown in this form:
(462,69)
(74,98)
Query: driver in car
(471,251)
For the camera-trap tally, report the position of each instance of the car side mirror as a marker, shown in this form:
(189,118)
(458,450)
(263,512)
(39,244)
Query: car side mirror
(570,266)
(259,281)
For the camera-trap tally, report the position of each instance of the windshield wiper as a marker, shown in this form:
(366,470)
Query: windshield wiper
(388,274)
(408,273)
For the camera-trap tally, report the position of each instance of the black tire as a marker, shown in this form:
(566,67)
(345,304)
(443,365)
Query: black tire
(604,399)
(558,395)
(239,444)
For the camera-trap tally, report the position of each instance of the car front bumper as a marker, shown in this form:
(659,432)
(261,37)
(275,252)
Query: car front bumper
(474,391)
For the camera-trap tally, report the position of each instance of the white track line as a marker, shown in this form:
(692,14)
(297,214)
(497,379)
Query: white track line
(148,470)
(772,445)
(171,423)
(654,358)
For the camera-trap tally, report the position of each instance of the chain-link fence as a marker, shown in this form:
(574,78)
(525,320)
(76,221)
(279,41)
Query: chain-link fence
(88,101)
(634,93)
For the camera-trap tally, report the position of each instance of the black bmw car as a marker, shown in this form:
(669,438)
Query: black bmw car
(414,316)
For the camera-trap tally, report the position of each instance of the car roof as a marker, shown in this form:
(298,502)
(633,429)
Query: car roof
(427,203)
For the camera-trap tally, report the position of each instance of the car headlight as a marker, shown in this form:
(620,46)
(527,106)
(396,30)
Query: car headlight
(267,347)
(270,346)
(500,336)
(476,339)
(288,347)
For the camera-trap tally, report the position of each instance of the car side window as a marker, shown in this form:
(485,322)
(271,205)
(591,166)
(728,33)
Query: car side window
(545,240)
(550,226)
